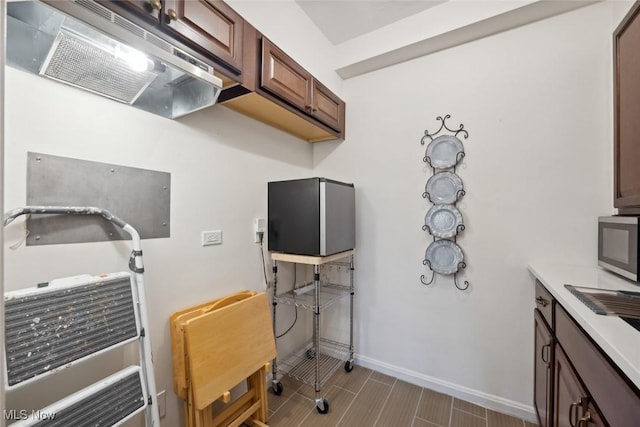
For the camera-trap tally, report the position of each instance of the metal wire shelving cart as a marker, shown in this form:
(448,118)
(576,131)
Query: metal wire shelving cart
(318,359)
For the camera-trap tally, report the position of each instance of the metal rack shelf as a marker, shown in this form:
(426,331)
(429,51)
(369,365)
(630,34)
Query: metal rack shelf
(301,364)
(320,357)
(330,293)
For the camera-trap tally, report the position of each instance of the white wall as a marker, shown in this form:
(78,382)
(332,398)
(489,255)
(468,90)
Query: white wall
(537,102)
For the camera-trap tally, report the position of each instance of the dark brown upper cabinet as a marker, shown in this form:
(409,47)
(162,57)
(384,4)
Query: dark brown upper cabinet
(626,40)
(260,80)
(278,91)
(327,107)
(208,25)
(285,78)
(206,29)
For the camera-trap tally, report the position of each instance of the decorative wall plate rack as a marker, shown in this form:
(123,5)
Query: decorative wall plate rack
(444,188)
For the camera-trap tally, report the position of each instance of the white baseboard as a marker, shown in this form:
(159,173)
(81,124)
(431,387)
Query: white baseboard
(496,403)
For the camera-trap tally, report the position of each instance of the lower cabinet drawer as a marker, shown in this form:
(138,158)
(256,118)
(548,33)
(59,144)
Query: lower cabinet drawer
(544,303)
(617,399)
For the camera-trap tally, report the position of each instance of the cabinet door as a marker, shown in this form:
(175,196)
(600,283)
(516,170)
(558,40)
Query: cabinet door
(573,406)
(209,25)
(570,398)
(149,10)
(327,107)
(283,77)
(626,113)
(543,371)
(617,400)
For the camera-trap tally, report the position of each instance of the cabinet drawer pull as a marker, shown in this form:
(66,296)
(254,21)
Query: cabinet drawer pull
(543,302)
(575,405)
(584,421)
(155,4)
(542,353)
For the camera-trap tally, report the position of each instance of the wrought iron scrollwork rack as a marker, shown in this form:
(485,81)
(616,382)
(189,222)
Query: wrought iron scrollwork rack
(459,156)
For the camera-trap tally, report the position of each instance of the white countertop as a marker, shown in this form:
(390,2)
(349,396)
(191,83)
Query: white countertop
(619,340)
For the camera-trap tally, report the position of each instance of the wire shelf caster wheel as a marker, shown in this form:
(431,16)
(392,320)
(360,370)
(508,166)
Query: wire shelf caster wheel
(322,406)
(277,388)
(348,366)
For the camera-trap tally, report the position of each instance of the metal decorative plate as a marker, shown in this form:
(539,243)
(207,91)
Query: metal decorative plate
(443,188)
(443,220)
(444,256)
(444,151)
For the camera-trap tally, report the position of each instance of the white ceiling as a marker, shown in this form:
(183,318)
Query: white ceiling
(343,20)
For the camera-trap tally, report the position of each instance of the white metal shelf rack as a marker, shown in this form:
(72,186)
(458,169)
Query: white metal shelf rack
(318,359)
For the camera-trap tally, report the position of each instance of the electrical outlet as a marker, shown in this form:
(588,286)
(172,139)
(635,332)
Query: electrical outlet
(212,237)
(162,403)
(259,226)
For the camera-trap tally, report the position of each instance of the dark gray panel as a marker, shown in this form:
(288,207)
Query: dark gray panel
(140,197)
(294,216)
(50,328)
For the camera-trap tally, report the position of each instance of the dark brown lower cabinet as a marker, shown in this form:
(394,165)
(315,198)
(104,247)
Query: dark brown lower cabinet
(543,370)
(572,403)
(575,383)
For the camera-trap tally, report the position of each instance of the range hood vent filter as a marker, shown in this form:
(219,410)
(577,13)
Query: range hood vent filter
(83,44)
(76,61)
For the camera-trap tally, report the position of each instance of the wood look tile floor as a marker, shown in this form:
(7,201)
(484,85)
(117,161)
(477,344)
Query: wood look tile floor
(367,398)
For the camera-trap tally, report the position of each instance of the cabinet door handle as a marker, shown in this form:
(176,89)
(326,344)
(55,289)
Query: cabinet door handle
(172,15)
(584,421)
(575,405)
(156,4)
(543,302)
(542,353)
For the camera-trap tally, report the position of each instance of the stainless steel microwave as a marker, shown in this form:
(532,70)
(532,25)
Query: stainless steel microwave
(618,245)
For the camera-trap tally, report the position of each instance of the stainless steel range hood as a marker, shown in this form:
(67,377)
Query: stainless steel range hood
(85,45)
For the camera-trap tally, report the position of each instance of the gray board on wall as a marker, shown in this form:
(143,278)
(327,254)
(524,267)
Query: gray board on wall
(140,197)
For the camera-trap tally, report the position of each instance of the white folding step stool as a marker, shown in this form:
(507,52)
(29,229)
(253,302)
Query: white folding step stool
(55,325)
